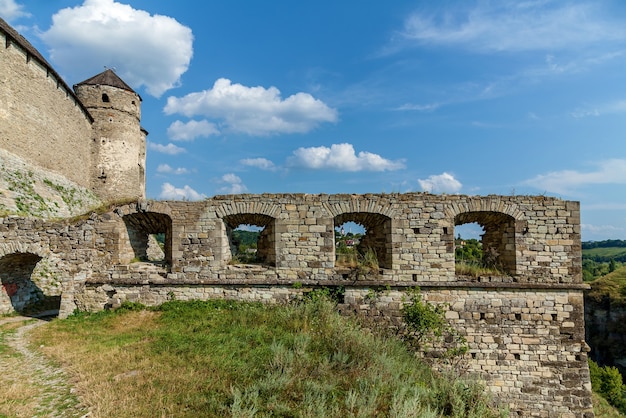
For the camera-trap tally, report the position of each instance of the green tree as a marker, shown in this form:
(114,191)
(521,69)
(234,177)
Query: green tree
(607,381)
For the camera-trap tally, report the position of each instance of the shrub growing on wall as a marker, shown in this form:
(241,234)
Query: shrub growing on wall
(428,331)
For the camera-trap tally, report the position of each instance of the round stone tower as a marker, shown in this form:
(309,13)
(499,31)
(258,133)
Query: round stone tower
(118,140)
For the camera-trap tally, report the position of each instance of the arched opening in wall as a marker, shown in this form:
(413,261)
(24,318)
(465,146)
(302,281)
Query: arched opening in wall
(105,98)
(484,244)
(369,246)
(150,238)
(30,285)
(251,239)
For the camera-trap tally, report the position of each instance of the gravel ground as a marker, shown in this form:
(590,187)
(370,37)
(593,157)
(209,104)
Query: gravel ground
(54,396)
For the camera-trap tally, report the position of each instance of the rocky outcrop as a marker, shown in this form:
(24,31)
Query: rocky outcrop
(605,330)
(29,190)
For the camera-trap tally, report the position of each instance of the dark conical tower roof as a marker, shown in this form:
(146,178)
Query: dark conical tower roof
(107,78)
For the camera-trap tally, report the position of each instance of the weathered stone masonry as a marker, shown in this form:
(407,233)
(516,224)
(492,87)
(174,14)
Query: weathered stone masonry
(525,329)
(90,134)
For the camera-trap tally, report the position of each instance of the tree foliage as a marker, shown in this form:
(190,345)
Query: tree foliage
(607,381)
(469,250)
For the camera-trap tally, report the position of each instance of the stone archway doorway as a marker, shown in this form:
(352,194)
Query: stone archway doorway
(29,285)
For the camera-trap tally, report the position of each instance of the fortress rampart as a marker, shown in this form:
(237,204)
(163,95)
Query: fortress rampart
(41,119)
(524,323)
(94,140)
(524,326)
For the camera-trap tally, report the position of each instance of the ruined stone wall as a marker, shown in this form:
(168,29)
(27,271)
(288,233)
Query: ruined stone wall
(525,345)
(538,237)
(39,258)
(524,327)
(41,120)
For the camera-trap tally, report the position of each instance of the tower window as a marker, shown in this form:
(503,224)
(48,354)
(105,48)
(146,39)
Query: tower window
(105,97)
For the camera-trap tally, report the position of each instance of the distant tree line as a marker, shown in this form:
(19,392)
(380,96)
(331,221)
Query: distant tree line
(599,258)
(587,245)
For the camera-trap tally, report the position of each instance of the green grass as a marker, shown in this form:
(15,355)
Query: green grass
(605,252)
(221,358)
(475,269)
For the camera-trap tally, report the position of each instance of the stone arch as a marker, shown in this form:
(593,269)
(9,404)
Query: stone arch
(31,276)
(247,206)
(143,206)
(497,204)
(367,203)
(377,237)
(498,240)
(142,221)
(142,229)
(266,244)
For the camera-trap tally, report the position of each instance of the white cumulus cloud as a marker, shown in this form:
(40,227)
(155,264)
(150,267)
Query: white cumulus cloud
(611,171)
(261,163)
(341,157)
(181,131)
(167,169)
(149,50)
(170,149)
(10,10)
(440,183)
(253,110)
(232,184)
(169,192)
(512,25)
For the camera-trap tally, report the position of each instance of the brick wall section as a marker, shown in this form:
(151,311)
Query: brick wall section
(525,328)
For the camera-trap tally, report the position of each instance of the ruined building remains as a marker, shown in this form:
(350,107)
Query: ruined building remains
(524,324)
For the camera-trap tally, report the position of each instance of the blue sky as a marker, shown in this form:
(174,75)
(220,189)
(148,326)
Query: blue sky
(471,97)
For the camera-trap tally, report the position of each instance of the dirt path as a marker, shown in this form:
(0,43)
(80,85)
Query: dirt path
(51,393)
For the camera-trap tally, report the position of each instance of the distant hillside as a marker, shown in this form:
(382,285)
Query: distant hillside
(602,257)
(610,286)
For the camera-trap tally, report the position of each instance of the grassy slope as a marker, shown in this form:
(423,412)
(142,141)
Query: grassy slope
(612,285)
(231,359)
(605,252)
(602,409)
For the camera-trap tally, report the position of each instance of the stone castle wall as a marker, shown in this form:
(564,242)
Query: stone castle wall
(41,120)
(93,139)
(524,326)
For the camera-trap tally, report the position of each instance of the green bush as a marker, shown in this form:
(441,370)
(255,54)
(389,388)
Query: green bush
(428,331)
(607,381)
